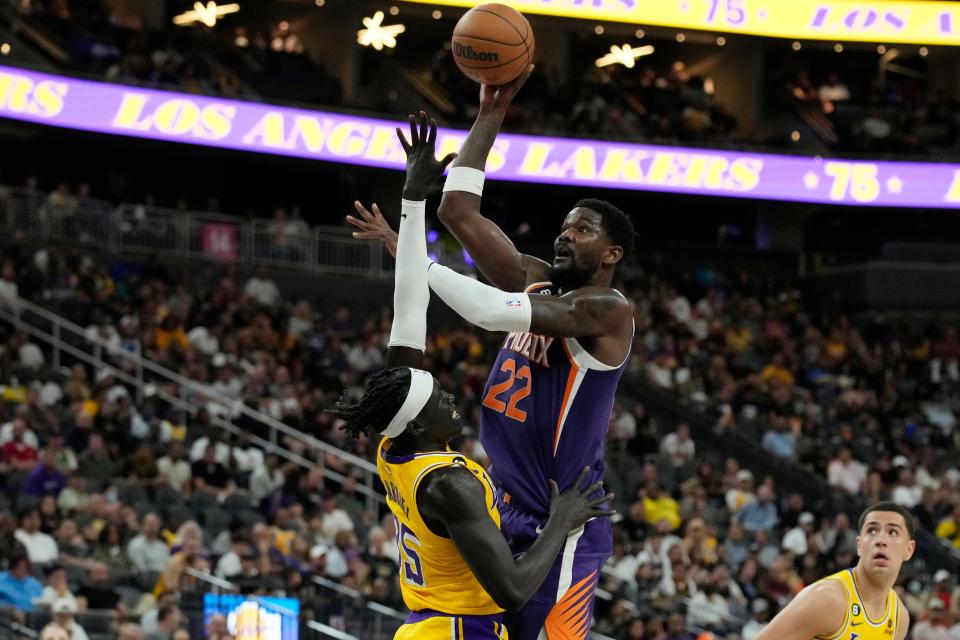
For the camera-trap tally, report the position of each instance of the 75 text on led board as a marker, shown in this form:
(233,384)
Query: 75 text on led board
(345,138)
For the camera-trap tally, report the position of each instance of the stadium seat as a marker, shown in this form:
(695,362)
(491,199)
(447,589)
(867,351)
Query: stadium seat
(131,493)
(166,496)
(237,502)
(39,618)
(94,621)
(201,501)
(214,520)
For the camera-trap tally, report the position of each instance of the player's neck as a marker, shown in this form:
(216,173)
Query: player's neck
(408,445)
(600,279)
(873,589)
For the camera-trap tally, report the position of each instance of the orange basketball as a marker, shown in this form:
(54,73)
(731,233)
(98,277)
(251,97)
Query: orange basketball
(493,43)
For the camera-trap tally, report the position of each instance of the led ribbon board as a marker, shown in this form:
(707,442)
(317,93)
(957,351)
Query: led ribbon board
(345,138)
(886,21)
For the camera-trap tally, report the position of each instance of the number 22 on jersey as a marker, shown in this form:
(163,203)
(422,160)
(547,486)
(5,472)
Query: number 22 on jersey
(508,407)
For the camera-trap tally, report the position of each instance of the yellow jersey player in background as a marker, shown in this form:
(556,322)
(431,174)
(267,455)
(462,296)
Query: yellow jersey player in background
(458,574)
(857,603)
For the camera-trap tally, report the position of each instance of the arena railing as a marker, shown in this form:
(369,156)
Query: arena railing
(172,233)
(148,378)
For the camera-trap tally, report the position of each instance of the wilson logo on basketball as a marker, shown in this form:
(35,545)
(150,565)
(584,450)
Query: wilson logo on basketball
(468,53)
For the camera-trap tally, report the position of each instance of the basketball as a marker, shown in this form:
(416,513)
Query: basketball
(492,44)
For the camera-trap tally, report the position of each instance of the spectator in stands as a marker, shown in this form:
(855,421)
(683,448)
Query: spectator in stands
(170,335)
(781,441)
(659,506)
(19,589)
(796,539)
(95,462)
(933,625)
(679,451)
(64,457)
(96,592)
(45,479)
(245,457)
(846,473)
(906,492)
(949,527)
(677,628)
(760,609)
(217,627)
(174,470)
(53,631)
(169,619)
(210,476)
(146,551)
(262,289)
(63,611)
(111,548)
(18,450)
(56,588)
(129,631)
(760,515)
(335,519)
(832,91)
(736,547)
(741,495)
(41,548)
(9,291)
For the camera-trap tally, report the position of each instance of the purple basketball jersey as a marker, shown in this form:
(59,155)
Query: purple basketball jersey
(546,408)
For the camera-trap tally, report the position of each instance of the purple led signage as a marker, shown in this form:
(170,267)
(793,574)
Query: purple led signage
(332,137)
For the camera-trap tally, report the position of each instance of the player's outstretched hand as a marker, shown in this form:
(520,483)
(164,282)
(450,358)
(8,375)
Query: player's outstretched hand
(574,506)
(423,169)
(500,97)
(373,226)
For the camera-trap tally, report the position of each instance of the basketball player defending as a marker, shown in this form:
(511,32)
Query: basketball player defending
(857,603)
(547,402)
(457,572)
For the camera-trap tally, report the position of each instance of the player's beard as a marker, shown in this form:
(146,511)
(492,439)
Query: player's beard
(573,274)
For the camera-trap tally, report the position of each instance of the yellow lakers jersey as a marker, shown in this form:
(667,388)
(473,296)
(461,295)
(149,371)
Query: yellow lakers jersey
(857,625)
(433,574)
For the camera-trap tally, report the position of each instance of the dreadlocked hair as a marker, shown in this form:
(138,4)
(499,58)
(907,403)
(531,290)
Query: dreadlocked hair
(384,395)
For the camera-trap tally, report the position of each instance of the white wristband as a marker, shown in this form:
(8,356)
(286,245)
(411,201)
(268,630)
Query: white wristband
(465,179)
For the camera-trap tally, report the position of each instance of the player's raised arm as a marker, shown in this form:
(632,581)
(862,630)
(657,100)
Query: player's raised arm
(453,499)
(819,611)
(488,245)
(411,295)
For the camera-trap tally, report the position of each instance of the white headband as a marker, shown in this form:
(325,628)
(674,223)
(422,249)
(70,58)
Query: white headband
(421,388)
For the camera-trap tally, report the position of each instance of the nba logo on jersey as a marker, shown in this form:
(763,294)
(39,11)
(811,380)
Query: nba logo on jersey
(513,303)
(856,609)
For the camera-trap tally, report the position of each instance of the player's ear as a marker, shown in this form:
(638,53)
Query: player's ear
(415,428)
(612,255)
(911,547)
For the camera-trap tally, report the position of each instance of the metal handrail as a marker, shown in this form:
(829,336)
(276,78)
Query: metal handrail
(62,325)
(326,630)
(353,594)
(213,581)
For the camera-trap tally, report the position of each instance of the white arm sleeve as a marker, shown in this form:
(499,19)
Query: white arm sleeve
(411,295)
(480,304)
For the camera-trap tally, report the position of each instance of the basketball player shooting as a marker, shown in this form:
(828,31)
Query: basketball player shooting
(457,573)
(547,402)
(857,603)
